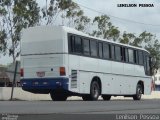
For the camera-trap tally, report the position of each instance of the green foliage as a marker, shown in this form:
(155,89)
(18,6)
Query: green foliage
(81,23)
(49,12)
(3,43)
(26,13)
(70,13)
(105,29)
(16,15)
(127,38)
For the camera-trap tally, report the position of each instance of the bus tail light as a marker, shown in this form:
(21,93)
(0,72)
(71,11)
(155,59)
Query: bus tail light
(62,71)
(21,72)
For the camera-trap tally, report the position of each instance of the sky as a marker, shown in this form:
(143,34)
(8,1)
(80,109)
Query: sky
(147,15)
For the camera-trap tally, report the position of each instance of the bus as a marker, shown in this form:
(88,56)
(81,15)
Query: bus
(64,62)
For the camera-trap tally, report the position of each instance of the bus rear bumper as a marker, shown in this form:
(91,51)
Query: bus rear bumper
(44,85)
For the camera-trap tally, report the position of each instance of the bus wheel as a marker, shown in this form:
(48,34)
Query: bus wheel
(58,96)
(94,91)
(138,94)
(106,97)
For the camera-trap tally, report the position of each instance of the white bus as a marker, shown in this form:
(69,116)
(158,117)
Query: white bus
(65,62)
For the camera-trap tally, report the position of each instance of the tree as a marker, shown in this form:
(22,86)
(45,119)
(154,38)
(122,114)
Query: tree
(127,38)
(3,43)
(50,12)
(70,14)
(16,15)
(105,29)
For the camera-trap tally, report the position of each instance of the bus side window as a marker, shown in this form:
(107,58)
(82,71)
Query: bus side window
(112,50)
(93,47)
(106,51)
(140,57)
(86,49)
(131,56)
(71,43)
(78,45)
(125,54)
(118,55)
(135,57)
(100,50)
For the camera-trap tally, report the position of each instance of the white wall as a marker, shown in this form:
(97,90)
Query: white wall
(5,94)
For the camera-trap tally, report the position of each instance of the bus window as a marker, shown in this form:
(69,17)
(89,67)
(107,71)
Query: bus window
(125,54)
(118,55)
(112,52)
(78,45)
(135,57)
(86,49)
(106,49)
(71,43)
(140,57)
(131,57)
(100,51)
(93,46)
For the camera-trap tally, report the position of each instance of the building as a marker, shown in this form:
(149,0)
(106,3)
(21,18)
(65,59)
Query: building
(7,75)
(4,79)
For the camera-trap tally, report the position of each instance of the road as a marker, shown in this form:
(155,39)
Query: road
(50,108)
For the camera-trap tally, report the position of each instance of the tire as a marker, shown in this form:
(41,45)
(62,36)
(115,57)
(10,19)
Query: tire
(58,96)
(94,92)
(106,97)
(138,94)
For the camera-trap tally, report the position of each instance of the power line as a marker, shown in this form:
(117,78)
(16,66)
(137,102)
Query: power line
(132,21)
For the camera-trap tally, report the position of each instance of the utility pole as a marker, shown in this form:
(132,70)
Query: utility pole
(14,79)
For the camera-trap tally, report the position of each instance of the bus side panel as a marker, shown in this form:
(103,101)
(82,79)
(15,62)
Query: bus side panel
(105,67)
(84,82)
(106,84)
(89,68)
(116,83)
(148,86)
(73,73)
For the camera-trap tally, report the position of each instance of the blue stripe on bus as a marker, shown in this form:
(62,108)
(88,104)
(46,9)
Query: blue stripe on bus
(44,83)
